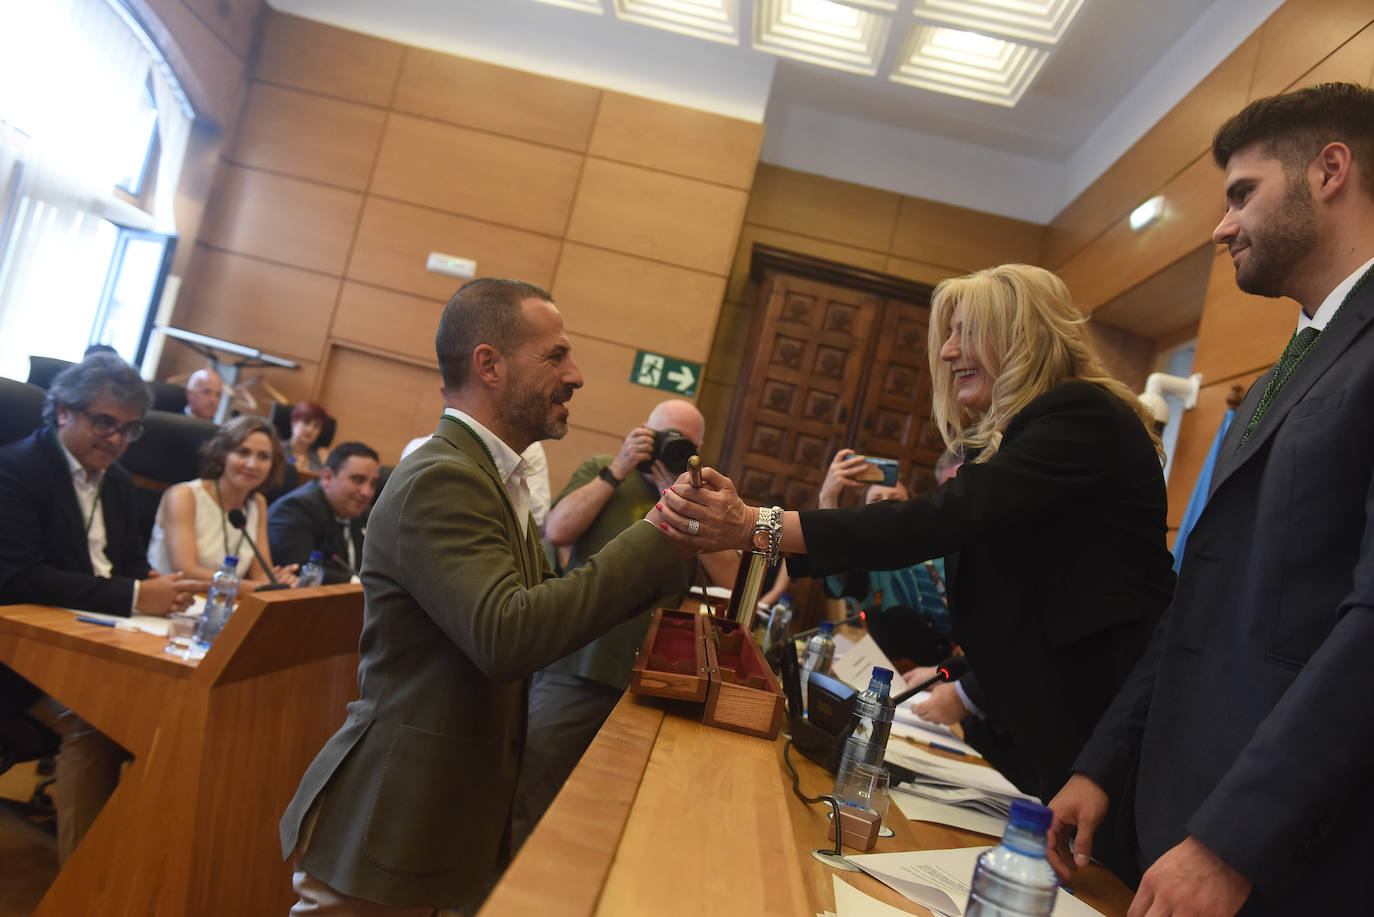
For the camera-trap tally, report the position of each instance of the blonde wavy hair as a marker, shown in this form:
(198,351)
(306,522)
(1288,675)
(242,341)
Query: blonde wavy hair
(1021,324)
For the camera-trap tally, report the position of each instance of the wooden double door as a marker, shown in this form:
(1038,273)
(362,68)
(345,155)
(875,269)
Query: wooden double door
(833,362)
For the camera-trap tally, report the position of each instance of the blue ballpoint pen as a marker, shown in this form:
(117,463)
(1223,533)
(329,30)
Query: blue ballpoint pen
(115,624)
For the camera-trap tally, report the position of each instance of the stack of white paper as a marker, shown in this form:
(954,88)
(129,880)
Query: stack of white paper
(960,793)
(907,725)
(939,879)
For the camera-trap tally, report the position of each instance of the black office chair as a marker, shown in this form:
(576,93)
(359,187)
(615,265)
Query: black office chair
(42,370)
(168,396)
(167,453)
(21,409)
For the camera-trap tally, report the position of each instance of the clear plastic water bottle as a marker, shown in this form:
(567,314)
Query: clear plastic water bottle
(779,617)
(219,604)
(1015,879)
(312,571)
(820,649)
(870,725)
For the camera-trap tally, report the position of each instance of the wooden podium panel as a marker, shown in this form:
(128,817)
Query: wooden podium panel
(219,747)
(667,816)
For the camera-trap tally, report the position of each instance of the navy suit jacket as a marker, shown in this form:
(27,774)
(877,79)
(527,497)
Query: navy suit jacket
(43,553)
(1251,717)
(303,521)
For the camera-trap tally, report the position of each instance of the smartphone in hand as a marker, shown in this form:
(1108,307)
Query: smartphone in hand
(878,471)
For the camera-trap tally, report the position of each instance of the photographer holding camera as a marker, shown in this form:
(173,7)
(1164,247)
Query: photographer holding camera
(570,699)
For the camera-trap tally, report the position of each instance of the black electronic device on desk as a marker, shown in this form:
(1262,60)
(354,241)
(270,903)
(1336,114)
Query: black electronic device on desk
(830,702)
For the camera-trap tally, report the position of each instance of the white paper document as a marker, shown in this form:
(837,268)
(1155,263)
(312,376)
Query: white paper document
(936,770)
(850,902)
(908,725)
(148,624)
(855,667)
(939,879)
(919,808)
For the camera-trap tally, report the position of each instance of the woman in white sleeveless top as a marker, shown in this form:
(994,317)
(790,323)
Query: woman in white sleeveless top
(193,533)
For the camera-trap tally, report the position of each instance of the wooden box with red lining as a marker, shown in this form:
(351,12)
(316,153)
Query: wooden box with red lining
(697,657)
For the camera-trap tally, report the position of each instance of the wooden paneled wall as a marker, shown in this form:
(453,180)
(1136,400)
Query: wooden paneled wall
(356,157)
(1092,246)
(208,44)
(881,231)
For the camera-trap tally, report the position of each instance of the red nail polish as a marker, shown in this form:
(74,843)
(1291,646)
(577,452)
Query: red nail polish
(659,507)
(663,525)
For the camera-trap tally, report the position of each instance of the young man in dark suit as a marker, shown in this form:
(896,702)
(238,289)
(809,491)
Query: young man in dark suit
(1248,720)
(327,515)
(69,537)
(407,807)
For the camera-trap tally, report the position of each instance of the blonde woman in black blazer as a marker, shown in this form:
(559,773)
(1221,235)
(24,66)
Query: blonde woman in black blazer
(1055,524)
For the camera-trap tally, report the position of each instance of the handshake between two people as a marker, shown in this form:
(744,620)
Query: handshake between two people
(700,520)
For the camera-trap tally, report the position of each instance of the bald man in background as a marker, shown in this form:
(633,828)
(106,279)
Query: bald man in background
(203,392)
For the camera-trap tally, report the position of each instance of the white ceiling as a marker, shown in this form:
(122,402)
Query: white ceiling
(1120,67)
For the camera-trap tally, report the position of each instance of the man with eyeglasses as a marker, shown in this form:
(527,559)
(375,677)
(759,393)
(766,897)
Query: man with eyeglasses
(69,537)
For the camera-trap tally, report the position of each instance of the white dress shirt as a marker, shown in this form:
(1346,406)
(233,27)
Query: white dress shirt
(87,486)
(1333,300)
(510,467)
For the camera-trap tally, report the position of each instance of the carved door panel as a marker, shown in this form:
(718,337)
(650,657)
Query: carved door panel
(894,416)
(809,353)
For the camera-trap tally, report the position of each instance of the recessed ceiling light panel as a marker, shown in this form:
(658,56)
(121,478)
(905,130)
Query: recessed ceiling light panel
(586,6)
(715,20)
(882,6)
(821,32)
(1040,22)
(968,64)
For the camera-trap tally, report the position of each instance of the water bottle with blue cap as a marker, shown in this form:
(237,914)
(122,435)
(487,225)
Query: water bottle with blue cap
(1015,879)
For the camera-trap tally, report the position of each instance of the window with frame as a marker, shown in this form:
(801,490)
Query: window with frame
(81,133)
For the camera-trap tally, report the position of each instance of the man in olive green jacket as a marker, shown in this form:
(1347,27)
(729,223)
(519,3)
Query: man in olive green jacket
(408,805)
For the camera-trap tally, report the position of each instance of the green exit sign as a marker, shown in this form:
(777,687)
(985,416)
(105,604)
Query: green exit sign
(667,373)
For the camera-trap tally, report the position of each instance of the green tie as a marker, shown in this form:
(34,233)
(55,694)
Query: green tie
(1298,346)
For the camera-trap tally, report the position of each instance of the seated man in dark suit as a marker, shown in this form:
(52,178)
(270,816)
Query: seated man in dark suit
(69,537)
(326,515)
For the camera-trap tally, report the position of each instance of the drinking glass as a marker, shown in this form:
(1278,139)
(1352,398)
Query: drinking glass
(865,786)
(180,628)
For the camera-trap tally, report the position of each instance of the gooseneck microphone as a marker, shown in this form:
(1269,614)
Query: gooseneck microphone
(948,670)
(346,565)
(239,521)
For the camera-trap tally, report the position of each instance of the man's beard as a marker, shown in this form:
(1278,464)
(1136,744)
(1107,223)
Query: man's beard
(531,412)
(1278,248)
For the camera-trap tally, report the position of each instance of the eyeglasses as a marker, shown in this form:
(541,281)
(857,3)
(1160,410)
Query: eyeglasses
(105,425)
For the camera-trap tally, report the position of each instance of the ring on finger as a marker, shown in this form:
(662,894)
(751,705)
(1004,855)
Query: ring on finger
(693,526)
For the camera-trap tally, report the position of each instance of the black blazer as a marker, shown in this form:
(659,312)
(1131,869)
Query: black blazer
(1062,569)
(303,521)
(1252,715)
(43,554)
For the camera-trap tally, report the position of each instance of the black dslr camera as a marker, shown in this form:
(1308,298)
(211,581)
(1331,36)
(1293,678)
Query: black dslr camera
(671,448)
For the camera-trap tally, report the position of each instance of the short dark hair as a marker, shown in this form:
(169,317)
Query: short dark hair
(99,375)
(1294,126)
(483,311)
(228,438)
(345,451)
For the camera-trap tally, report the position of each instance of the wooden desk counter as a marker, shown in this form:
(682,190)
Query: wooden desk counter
(219,746)
(666,816)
